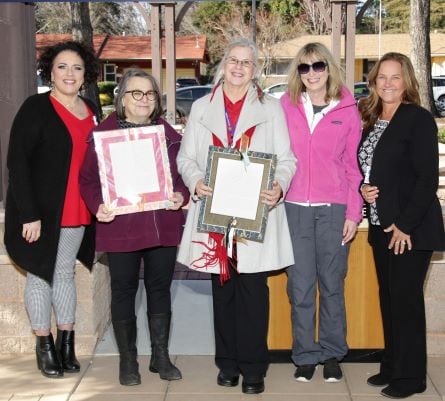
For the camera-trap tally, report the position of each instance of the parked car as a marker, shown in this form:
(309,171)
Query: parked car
(439,88)
(276,90)
(186,96)
(40,87)
(360,90)
(183,82)
(439,93)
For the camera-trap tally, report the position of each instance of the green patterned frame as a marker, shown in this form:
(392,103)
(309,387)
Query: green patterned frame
(217,223)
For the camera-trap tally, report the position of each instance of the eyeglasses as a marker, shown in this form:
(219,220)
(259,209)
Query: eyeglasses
(318,66)
(242,63)
(138,94)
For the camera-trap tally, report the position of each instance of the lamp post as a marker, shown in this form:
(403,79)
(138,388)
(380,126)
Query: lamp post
(253,16)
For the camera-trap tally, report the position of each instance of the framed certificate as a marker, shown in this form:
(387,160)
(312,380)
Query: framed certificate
(134,169)
(237,183)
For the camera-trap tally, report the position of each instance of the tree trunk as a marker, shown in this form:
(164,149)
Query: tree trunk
(419,29)
(361,13)
(83,32)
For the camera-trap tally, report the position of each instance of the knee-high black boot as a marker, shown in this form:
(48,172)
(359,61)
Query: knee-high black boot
(47,360)
(159,325)
(125,334)
(65,350)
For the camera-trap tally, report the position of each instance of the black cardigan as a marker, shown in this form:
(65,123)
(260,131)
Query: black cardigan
(405,169)
(39,158)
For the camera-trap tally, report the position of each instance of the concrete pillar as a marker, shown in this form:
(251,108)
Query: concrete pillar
(17,70)
(170,61)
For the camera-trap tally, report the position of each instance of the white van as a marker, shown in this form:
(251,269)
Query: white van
(40,87)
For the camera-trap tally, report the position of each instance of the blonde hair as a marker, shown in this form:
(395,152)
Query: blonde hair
(319,52)
(371,106)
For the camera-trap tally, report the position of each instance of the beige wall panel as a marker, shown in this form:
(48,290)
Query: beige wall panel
(364,322)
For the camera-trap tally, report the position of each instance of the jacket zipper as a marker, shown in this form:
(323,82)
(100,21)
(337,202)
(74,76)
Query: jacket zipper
(310,170)
(156,226)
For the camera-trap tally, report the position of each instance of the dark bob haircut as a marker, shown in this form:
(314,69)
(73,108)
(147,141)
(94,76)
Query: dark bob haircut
(123,84)
(45,63)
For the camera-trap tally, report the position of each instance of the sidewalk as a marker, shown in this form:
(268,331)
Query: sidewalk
(21,381)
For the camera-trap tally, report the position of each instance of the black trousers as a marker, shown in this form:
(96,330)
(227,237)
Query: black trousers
(159,265)
(401,279)
(241,318)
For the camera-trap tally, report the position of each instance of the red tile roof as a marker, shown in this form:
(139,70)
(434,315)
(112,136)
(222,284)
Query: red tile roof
(191,47)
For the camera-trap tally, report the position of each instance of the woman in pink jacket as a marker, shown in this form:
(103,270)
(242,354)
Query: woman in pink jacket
(323,206)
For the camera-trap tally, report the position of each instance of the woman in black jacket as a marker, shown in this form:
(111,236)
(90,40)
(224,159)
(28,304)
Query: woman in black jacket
(399,159)
(47,224)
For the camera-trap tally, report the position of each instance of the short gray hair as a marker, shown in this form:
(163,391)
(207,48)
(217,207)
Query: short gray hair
(123,84)
(239,42)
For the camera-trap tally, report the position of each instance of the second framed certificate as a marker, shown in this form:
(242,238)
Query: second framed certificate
(237,184)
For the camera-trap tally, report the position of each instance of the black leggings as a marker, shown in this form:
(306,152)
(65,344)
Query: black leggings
(159,265)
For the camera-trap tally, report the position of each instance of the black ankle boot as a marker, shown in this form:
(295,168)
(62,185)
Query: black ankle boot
(125,332)
(65,350)
(159,325)
(47,361)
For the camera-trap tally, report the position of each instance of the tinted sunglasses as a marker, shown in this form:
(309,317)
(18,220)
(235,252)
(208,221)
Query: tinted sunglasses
(318,66)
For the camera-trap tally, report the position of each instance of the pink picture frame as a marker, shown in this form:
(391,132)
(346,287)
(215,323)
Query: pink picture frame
(134,169)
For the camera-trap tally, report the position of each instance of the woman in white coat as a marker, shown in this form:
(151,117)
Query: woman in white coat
(238,109)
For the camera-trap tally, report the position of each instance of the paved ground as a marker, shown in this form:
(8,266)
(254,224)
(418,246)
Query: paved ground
(20,381)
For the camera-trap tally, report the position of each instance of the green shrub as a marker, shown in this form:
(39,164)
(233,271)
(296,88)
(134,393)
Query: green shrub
(106,87)
(105,99)
(441,135)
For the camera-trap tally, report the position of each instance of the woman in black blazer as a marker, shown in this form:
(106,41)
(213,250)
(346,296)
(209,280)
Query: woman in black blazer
(47,224)
(399,158)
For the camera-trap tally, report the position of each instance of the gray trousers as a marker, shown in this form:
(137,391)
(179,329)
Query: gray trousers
(317,233)
(40,296)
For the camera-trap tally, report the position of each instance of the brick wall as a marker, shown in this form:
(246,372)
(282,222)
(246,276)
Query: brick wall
(93,308)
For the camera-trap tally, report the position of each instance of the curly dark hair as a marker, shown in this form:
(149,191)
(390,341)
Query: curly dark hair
(86,53)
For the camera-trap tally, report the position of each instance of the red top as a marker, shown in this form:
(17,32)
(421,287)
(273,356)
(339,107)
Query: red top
(75,211)
(233,111)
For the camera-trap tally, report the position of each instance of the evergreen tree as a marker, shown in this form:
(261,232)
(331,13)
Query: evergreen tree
(397,16)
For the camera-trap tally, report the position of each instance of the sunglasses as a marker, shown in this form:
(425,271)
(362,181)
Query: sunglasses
(318,66)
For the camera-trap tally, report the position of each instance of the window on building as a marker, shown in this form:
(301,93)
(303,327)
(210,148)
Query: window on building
(279,67)
(110,72)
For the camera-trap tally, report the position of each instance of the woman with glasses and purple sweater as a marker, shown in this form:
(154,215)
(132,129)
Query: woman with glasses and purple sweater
(323,207)
(150,236)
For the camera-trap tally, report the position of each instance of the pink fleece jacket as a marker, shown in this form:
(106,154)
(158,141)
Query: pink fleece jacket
(327,167)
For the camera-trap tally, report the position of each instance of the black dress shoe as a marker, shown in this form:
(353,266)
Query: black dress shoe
(65,350)
(378,380)
(47,360)
(398,391)
(254,385)
(226,380)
